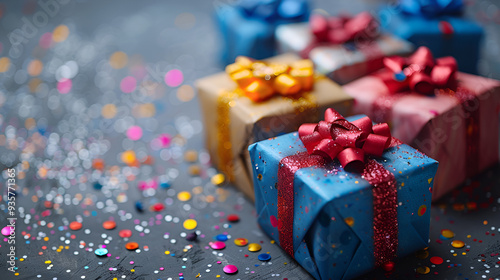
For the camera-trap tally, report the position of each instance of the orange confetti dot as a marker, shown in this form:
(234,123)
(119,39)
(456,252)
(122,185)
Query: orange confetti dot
(4,64)
(75,225)
(35,67)
(128,157)
(60,33)
(98,164)
(131,245)
(109,225)
(108,111)
(118,60)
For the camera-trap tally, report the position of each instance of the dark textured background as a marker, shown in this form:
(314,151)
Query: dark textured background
(160,36)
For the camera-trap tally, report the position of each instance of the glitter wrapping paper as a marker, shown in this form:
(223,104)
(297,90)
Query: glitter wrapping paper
(251,35)
(248,121)
(333,209)
(444,35)
(436,125)
(345,62)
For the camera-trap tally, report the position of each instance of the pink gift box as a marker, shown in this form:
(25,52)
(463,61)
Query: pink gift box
(438,124)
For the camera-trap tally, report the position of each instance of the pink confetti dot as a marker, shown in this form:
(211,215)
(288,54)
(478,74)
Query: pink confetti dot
(64,86)
(134,133)
(128,84)
(217,245)
(230,269)
(45,40)
(174,78)
(7,230)
(274,221)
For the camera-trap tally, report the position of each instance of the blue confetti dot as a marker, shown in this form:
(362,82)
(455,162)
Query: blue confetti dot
(138,206)
(264,257)
(221,237)
(97,186)
(101,252)
(165,185)
(400,76)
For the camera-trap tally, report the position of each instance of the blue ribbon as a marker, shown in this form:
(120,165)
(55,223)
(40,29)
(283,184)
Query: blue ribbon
(432,8)
(273,10)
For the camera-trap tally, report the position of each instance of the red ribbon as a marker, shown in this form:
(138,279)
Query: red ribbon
(348,141)
(335,137)
(340,30)
(419,73)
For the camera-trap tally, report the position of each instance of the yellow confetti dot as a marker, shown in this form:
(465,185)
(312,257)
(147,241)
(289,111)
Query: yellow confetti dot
(48,262)
(423,254)
(21,259)
(132,270)
(60,33)
(446,233)
(469,236)
(128,157)
(118,60)
(464,253)
(218,276)
(218,179)
(349,221)
(194,170)
(356,182)
(423,270)
(35,67)
(185,93)
(402,184)
(108,111)
(4,64)
(184,196)
(16,274)
(272,241)
(429,180)
(190,224)
(46,238)
(167,252)
(254,247)
(457,244)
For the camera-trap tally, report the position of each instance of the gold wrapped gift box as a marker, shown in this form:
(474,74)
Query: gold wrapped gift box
(233,121)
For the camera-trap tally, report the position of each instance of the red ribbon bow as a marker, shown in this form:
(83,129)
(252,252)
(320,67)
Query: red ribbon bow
(335,137)
(420,72)
(339,30)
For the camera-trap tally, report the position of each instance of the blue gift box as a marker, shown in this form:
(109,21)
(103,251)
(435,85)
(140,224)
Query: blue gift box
(248,26)
(461,41)
(333,210)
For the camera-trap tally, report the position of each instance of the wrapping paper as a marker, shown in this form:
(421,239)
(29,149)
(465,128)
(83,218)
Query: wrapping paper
(444,35)
(341,63)
(251,121)
(333,209)
(248,33)
(436,124)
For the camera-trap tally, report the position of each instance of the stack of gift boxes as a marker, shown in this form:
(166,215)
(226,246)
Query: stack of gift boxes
(338,140)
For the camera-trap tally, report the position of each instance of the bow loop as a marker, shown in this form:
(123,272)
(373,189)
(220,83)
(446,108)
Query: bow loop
(335,137)
(342,29)
(420,72)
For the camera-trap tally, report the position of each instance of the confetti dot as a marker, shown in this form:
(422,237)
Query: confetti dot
(217,245)
(64,86)
(45,40)
(101,252)
(447,234)
(157,207)
(60,33)
(128,157)
(174,78)
(423,270)
(254,247)
(221,237)
(128,84)
(264,257)
(349,221)
(388,266)
(134,133)
(108,111)
(423,254)
(118,60)
(185,93)
(109,225)
(190,224)
(35,67)
(7,230)
(422,209)
(184,196)
(230,269)
(131,245)
(457,244)
(191,156)
(4,64)
(241,241)
(192,236)
(125,233)
(233,218)
(75,225)
(218,179)
(436,260)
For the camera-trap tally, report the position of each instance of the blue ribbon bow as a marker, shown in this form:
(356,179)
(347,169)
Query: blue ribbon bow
(432,8)
(271,10)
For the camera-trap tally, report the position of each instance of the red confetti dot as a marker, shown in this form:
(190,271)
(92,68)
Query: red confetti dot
(436,260)
(109,225)
(388,266)
(233,218)
(158,207)
(75,225)
(125,233)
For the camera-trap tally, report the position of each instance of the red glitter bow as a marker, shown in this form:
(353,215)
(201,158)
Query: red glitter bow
(420,72)
(335,137)
(342,29)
